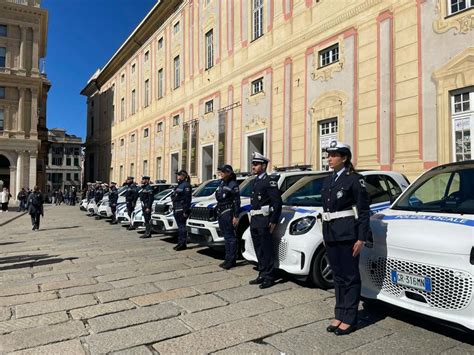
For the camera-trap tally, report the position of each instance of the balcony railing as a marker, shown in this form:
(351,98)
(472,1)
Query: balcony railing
(35,3)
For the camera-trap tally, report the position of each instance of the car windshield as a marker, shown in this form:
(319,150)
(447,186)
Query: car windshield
(246,187)
(207,188)
(447,189)
(162,194)
(305,192)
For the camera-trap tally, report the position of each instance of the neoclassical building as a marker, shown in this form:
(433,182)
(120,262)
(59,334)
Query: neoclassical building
(203,82)
(23,93)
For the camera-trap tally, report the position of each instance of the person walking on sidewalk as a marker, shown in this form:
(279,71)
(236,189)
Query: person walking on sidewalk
(35,207)
(22,197)
(5,199)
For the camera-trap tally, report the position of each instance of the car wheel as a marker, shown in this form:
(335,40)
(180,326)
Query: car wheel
(321,273)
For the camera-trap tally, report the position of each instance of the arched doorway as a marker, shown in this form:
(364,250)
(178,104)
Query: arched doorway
(4,171)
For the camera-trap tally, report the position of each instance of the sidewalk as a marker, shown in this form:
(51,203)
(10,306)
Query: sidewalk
(11,215)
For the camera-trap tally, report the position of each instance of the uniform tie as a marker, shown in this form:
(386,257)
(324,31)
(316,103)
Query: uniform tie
(334,177)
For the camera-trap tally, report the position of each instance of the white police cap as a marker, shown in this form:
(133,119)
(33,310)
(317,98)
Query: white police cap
(339,147)
(259,158)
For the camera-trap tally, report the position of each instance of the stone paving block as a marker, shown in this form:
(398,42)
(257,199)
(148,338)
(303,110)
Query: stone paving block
(160,297)
(243,270)
(200,303)
(229,313)
(300,295)
(127,292)
(101,309)
(32,322)
(7,290)
(193,280)
(295,316)
(250,348)
(118,276)
(228,283)
(464,349)
(85,290)
(139,350)
(213,339)
(313,338)
(198,270)
(14,277)
(5,313)
(67,284)
(133,317)
(136,335)
(32,337)
(251,291)
(45,279)
(116,265)
(144,279)
(63,304)
(70,347)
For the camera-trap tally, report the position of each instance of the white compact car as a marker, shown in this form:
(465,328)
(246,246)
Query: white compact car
(162,219)
(202,225)
(422,254)
(83,204)
(298,237)
(104,208)
(138,221)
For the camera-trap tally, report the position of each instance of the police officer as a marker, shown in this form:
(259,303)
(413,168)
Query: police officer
(113,198)
(181,198)
(131,196)
(35,207)
(345,229)
(146,199)
(264,215)
(98,194)
(228,206)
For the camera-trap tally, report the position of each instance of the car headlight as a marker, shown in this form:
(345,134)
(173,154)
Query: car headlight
(302,225)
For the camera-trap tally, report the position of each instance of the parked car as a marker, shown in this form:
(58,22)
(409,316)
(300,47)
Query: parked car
(138,221)
(422,254)
(298,237)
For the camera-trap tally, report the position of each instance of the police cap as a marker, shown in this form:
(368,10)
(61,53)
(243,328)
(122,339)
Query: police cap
(339,147)
(145,177)
(130,178)
(259,158)
(226,168)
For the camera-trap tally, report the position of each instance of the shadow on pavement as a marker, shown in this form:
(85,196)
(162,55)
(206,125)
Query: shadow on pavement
(8,243)
(59,228)
(27,261)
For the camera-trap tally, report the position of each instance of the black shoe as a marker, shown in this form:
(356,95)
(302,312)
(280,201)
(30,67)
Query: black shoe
(34,227)
(257,281)
(266,284)
(180,247)
(223,263)
(113,222)
(228,265)
(145,236)
(332,328)
(349,330)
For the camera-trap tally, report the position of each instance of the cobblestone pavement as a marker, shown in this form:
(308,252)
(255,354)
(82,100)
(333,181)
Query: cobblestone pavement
(82,286)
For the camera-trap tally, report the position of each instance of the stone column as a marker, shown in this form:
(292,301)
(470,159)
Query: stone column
(13,187)
(35,51)
(21,66)
(32,179)
(6,118)
(19,171)
(34,114)
(20,114)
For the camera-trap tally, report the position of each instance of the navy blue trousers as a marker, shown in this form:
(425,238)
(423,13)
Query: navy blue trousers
(228,232)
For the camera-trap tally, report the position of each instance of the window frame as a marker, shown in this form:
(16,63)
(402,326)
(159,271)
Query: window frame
(146,56)
(132,138)
(159,127)
(133,104)
(160,84)
(2,119)
(449,4)
(4,56)
(256,86)
(160,43)
(146,96)
(4,34)
(177,72)
(331,51)
(176,120)
(176,28)
(257,19)
(146,133)
(209,106)
(3,92)
(133,68)
(209,43)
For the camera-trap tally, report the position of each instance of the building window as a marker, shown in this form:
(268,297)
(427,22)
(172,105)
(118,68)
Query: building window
(176,120)
(76,176)
(133,104)
(209,106)
(177,79)
(68,161)
(68,176)
(68,151)
(2,92)
(329,55)
(159,127)
(132,169)
(122,78)
(209,49)
(160,83)
(455,6)
(145,132)
(57,161)
(58,150)
(122,109)
(132,138)
(3,30)
(3,54)
(257,86)
(2,119)
(160,43)
(257,17)
(145,167)
(147,55)
(122,142)
(176,28)
(76,161)
(147,93)
(462,114)
(133,68)
(158,168)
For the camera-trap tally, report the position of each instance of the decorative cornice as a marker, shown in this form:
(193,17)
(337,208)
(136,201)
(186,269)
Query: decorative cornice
(257,122)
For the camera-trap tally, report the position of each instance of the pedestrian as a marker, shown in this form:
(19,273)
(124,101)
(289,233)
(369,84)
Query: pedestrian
(228,206)
(181,198)
(55,197)
(113,198)
(22,197)
(146,199)
(345,229)
(59,198)
(35,207)
(131,197)
(264,215)
(5,199)
(73,196)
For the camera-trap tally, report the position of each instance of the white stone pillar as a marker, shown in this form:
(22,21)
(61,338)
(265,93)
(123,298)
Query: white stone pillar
(13,187)
(32,179)
(19,172)
(21,115)
(35,52)
(22,49)
(6,124)
(34,114)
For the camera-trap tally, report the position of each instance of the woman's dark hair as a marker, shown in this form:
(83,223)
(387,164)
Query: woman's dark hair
(232,177)
(349,166)
(185,175)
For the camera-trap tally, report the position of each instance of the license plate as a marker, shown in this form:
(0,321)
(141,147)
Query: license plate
(414,281)
(194,231)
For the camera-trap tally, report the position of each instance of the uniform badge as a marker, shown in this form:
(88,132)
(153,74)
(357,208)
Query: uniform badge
(273,183)
(339,194)
(362,183)
(223,195)
(259,197)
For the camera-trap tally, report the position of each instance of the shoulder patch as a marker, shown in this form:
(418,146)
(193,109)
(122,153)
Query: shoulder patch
(273,183)
(362,182)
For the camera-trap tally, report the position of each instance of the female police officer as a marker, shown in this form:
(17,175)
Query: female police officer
(228,205)
(181,198)
(345,228)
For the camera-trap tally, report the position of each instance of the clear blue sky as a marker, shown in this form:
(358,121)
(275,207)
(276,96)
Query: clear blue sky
(82,36)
